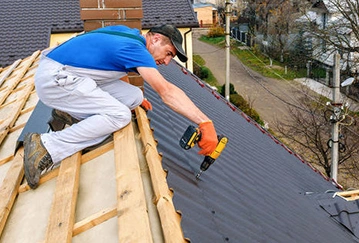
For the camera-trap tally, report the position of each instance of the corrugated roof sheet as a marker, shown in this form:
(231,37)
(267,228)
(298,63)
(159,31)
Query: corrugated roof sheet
(26,25)
(178,13)
(257,190)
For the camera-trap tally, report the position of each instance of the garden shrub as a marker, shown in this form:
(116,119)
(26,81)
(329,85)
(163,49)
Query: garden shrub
(204,72)
(215,32)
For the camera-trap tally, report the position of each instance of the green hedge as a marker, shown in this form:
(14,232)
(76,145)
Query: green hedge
(237,100)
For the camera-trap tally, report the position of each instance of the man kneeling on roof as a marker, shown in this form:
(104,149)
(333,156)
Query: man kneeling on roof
(80,80)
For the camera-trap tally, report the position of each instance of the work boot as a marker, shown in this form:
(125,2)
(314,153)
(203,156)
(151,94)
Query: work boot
(36,159)
(60,119)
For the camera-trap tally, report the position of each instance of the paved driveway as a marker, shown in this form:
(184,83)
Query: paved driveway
(269,97)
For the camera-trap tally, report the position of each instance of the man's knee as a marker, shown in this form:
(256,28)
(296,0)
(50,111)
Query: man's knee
(137,99)
(120,119)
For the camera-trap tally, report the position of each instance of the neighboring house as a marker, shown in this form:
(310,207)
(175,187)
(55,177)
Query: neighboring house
(178,13)
(49,23)
(141,186)
(207,14)
(325,15)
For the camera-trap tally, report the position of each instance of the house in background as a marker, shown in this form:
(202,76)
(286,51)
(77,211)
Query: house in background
(142,186)
(326,16)
(177,13)
(206,13)
(43,29)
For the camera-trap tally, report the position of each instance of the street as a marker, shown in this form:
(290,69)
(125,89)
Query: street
(269,97)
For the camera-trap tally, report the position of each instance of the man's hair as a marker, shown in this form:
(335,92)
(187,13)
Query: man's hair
(175,37)
(164,39)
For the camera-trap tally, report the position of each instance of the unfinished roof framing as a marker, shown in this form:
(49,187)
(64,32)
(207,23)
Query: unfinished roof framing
(119,187)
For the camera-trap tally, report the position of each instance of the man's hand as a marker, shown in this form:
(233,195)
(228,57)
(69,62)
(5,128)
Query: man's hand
(209,140)
(146,105)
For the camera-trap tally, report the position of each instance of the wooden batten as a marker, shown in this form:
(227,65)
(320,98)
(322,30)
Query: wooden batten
(62,217)
(16,75)
(9,187)
(94,220)
(133,221)
(349,195)
(170,219)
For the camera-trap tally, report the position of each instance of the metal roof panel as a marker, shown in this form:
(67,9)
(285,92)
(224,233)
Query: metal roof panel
(256,191)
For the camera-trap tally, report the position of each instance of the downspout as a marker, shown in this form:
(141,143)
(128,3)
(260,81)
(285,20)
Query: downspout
(185,43)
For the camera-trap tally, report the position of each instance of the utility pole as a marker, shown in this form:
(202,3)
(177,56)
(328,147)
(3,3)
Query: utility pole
(227,33)
(337,110)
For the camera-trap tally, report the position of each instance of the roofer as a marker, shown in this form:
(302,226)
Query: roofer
(80,80)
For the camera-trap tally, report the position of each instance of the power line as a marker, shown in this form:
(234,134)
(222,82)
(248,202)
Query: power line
(277,96)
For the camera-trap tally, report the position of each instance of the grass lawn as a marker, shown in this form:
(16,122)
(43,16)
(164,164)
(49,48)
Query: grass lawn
(257,61)
(210,79)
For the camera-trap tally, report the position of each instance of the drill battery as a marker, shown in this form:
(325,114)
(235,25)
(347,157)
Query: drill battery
(190,137)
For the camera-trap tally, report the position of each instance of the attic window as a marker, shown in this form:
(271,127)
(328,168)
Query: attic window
(349,195)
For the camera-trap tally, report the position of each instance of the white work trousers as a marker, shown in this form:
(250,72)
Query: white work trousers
(99,99)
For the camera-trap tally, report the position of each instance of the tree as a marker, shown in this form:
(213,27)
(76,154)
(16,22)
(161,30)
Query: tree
(279,27)
(272,22)
(308,132)
(333,26)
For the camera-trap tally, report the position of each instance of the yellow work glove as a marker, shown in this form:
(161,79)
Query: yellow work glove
(209,140)
(146,105)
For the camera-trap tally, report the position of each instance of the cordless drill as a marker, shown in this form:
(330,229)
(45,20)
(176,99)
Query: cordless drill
(192,136)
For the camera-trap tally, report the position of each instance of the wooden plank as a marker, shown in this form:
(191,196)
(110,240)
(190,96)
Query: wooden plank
(84,159)
(145,130)
(154,160)
(9,186)
(158,175)
(349,195)
(17,74)
(62,217)
(171,223)
(7,73)
(44,178)
(97,152)
(94,220)
(133,221)
(12,111)
(170,219)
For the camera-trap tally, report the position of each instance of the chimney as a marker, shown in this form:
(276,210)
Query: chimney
(101,13)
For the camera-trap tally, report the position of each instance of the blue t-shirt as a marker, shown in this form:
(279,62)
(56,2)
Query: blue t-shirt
(102,51)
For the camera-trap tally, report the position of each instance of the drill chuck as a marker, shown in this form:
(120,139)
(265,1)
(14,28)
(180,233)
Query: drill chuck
(206,163)
(209,159)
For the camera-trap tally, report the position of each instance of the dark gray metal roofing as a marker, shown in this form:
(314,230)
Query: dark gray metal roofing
(344,212)
(256,191)
(176,12)
(26,25)
(38,122)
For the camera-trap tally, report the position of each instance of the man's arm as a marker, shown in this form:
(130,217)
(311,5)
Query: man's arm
(178,101)
(172,96)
